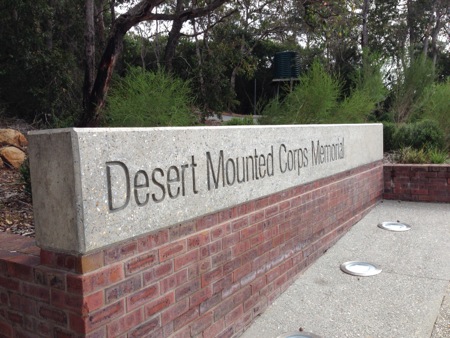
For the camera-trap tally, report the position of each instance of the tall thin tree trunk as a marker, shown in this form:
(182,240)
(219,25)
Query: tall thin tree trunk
(112,10)
(100,24)
(89,51)
(200,65)
(365,31)
(173,38)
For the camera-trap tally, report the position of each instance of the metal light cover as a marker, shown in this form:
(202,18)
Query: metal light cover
(363,269)
(394,226)
(300,334)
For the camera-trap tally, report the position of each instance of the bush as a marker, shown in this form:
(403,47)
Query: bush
(411,84)
(311,101)
(437,156)
(246,121)
(423,134)
(411,155)
(146,99)
(389,130)
(420,156)
(435,105)
(366,95)
(25,176)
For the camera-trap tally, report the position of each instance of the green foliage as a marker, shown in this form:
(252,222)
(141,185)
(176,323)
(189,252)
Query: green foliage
(389,130)
(412,156)
(367,93)
(420,156)
(410,87)
(311,101)
(435,105)
(149,99)
(25,176)
(40,72)
(246,121)
(437,156)
(419,135)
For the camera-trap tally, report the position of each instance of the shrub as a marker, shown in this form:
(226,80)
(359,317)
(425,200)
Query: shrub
(437,156)
(240,121)
(411,84)
(146,99)
(25,176)
(367,93)
(420,156)
(411,155)
(311,101)
(435,105)
(423,134)
(389,130)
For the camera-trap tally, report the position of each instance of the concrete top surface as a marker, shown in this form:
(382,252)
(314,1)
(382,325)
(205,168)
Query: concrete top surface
(409,298)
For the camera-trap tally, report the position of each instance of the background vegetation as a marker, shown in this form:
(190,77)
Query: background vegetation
(175,62)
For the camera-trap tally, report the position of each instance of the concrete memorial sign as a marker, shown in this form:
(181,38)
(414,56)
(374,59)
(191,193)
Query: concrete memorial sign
(96,187)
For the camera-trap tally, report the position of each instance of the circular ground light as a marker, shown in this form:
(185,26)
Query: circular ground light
(394,226)
(299,335)
(363,269)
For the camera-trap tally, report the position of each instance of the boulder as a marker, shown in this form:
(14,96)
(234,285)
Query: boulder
(11,137)
(13,156)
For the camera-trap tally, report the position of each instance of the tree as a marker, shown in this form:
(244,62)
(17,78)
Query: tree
(142,11)
(40,75)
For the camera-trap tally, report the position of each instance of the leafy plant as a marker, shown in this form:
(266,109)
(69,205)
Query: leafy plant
(240,121)
(147,99)
(311,101)
(411,155)
(422,134)
(437,156)
(410,86)
(435,105)
(367,93)
(25,176)
(389,130)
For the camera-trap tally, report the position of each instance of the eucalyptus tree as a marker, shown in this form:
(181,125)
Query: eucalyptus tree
(40,72)
(144,10)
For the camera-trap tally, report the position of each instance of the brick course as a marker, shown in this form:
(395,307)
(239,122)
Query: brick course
(420,182)
(208,277)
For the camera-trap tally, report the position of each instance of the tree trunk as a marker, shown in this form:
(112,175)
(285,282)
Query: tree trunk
(173,38)
(142,11)
(200,67)
(89,52)
(172,42)
(112,10)
(411,23)
(365,32)
(96,100)
(100,24)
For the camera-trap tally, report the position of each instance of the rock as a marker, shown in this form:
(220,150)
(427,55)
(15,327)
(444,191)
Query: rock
(12,156)
(11,137)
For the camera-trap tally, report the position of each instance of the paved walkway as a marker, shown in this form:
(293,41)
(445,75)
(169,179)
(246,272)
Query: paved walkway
(409,298)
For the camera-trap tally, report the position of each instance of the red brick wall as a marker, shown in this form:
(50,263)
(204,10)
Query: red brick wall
(421,182)
(209,277)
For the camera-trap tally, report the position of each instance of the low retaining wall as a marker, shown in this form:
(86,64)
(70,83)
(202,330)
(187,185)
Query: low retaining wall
(180,232)
(210,276)
(420,182)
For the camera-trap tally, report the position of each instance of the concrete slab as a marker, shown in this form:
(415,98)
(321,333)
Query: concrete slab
(404,300)
(95,187)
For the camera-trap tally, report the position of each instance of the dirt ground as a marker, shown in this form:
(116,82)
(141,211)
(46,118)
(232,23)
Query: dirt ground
(16,209)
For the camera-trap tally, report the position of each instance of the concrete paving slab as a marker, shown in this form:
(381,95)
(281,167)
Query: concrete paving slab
(405,300)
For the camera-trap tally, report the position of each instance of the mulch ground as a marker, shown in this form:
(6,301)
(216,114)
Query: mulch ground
(16,209)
